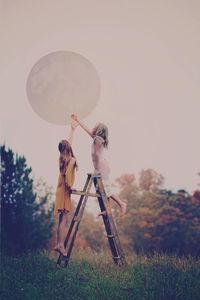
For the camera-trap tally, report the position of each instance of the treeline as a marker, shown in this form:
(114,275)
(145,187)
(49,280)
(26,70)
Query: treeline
(157,220)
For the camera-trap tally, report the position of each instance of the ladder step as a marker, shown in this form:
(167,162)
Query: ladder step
(96,175)
(116,257)
(110,236)
(82,193)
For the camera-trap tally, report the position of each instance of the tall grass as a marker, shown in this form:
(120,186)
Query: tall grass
(94,276)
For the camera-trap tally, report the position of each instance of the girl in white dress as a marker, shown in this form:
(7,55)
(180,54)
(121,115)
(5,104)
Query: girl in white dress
(99,134)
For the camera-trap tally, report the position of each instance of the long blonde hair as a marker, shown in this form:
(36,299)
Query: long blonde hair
(101,130)
(66,153)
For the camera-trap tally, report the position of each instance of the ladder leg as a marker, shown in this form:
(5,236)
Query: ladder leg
(113,225)
(66,259)
(113,238)
(117,240)
(73,219)
(110,234)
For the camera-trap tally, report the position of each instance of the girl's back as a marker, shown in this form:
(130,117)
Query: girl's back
(99,161)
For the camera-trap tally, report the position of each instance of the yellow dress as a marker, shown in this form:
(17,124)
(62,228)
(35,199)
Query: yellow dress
(63,195)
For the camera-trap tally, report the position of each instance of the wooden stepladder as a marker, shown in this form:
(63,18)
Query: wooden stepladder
(113,238)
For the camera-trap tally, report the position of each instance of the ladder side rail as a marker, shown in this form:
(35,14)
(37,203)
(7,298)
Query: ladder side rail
(112,223)
(66,259)
(114,230)
(77,210)
(75,214)
(113,247)
(112,244)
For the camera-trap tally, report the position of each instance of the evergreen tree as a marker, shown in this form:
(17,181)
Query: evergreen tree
(26,222)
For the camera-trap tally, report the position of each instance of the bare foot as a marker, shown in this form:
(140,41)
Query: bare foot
(103,213)
(61,249)
(123,209)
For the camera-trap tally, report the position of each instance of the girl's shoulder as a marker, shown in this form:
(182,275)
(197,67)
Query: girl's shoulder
(73,160)
(98,139)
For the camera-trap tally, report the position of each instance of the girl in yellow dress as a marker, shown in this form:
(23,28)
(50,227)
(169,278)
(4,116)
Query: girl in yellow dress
(67,166)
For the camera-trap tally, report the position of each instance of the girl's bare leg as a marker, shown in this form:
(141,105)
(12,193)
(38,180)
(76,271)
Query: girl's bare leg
(61,233)
(121,204)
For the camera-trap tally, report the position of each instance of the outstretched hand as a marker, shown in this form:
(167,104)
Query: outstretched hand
(74,117)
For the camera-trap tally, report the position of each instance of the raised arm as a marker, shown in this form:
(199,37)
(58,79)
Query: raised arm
(75,118)
(73,126)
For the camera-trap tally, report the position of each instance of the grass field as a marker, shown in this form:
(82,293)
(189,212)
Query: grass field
(35,277)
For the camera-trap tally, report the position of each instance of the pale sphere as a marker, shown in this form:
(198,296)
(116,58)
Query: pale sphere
(62,83)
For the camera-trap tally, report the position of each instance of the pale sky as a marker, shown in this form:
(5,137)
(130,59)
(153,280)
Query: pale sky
(147,56)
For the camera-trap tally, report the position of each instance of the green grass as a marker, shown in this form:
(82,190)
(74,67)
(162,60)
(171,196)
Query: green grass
(35,277)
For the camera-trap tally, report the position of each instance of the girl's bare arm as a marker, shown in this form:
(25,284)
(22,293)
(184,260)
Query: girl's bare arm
(74,117)
(71,136)
(74,124)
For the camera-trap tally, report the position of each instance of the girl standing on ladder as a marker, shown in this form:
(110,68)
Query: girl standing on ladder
(99,134)
(67,166)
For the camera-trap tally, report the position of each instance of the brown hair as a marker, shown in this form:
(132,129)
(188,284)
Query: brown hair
(101,130)
(66,153)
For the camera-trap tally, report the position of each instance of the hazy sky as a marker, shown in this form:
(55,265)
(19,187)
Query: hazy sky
(147,57)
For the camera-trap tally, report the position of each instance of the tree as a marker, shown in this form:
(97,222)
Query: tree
(93,232)
(157,219)
(150,180)
(26,221)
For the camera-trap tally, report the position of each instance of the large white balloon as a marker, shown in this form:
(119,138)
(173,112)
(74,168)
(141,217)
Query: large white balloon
(62,83)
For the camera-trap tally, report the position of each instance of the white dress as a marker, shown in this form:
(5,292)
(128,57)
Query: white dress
(103,166)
